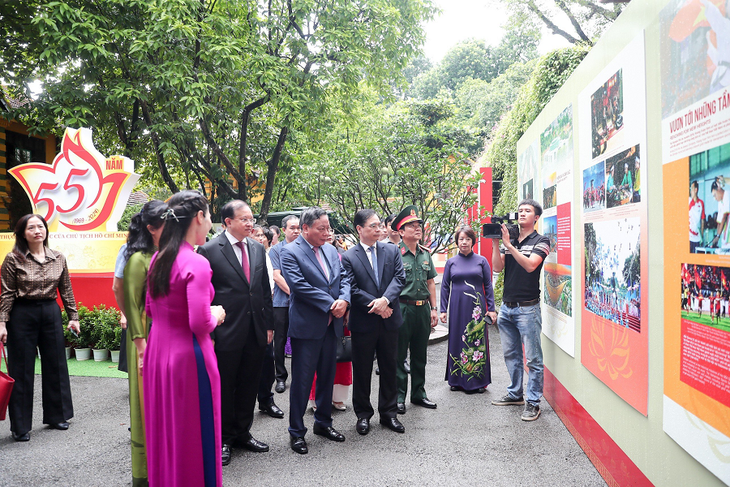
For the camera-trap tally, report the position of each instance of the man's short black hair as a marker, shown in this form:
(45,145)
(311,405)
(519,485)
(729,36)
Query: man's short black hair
(389,219)
(362,216)
(229,209)
(535,205)
(285,221)
(311,214)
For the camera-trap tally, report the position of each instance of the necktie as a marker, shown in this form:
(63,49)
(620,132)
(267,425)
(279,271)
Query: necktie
(321,262)
(374,254)
(244,262)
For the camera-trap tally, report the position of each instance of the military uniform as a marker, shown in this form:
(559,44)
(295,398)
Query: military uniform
(416,326)
(416,310)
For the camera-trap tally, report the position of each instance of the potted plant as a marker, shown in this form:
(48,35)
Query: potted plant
(68,336)
(116,344)
(83,342)
(104,321)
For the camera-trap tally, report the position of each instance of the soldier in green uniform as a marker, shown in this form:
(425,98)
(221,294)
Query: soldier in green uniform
(418,305)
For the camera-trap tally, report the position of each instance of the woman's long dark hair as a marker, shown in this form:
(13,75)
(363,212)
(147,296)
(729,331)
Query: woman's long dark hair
(21,244)
(181,209)
(139,238)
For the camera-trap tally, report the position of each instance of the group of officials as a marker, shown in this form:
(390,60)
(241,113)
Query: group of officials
(383,289)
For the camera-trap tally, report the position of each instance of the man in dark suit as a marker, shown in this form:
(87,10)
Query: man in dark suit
(376,279)
(241,283)
(319,297)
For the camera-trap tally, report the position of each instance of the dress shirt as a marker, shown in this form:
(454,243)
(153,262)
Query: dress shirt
(370,259)
(367,252)
(36,280)
(237,249)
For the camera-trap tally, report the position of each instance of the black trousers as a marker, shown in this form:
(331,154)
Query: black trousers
(281,330)
(266,396)
(37,324)
(240,372)
(364,347)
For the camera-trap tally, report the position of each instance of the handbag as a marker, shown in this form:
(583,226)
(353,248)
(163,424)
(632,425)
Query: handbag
(344,349)
(6,385)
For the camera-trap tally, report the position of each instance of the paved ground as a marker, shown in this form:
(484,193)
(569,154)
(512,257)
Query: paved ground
(466,441)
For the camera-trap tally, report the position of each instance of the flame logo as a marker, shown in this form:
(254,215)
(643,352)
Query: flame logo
(610,345)
(82,190)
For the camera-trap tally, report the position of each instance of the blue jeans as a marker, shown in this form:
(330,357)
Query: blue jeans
(518,326)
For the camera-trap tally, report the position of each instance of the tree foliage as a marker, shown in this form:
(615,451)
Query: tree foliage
(403,154)
(474,60)
(577,21)
(211,89)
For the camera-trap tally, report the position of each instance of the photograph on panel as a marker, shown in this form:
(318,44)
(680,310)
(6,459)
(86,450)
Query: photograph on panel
(623,178)
(607,120)
(709,201)
(613,271)
(594,187)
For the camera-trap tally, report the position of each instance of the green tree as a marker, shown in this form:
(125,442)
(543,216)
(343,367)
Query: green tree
(587,18)
(472,59)
(212,88)
(395,156)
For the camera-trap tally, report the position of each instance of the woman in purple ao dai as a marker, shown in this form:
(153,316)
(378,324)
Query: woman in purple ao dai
(466,291)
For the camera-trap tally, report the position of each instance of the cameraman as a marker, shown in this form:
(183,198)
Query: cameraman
(520,318)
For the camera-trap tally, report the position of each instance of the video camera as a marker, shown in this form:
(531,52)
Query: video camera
(494,229)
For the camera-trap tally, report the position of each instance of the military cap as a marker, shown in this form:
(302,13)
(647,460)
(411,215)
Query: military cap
(408,215)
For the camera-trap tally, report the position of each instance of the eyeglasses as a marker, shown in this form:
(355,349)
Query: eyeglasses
(245,220)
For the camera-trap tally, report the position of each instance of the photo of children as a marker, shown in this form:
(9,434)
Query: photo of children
(709,201)
(594,187)
(613,271)
(695,51)
(705,291)
(607,107)
(624,167)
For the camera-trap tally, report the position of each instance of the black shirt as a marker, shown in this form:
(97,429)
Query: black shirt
(520,285)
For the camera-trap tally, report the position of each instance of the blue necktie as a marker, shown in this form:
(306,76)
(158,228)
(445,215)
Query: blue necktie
(375,264)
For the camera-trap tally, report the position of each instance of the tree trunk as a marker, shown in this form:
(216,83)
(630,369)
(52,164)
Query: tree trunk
(273,166)
(158,152)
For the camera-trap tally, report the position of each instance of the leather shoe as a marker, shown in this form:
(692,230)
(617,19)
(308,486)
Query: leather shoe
(280,386)
(425,403)
(328,432)
(363,426)
(59,426)
(401,408)
(393,424)
(272,410)
(252,444)
(226,455)
(299,445)
(23,437)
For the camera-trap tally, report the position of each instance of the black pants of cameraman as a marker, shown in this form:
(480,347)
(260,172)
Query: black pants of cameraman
(37,323)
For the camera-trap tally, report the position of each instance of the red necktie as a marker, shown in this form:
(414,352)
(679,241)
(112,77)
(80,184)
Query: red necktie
(244,262)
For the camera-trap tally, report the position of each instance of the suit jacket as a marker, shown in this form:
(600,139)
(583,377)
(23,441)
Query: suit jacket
(364,289)
(312,294)
(246,303)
